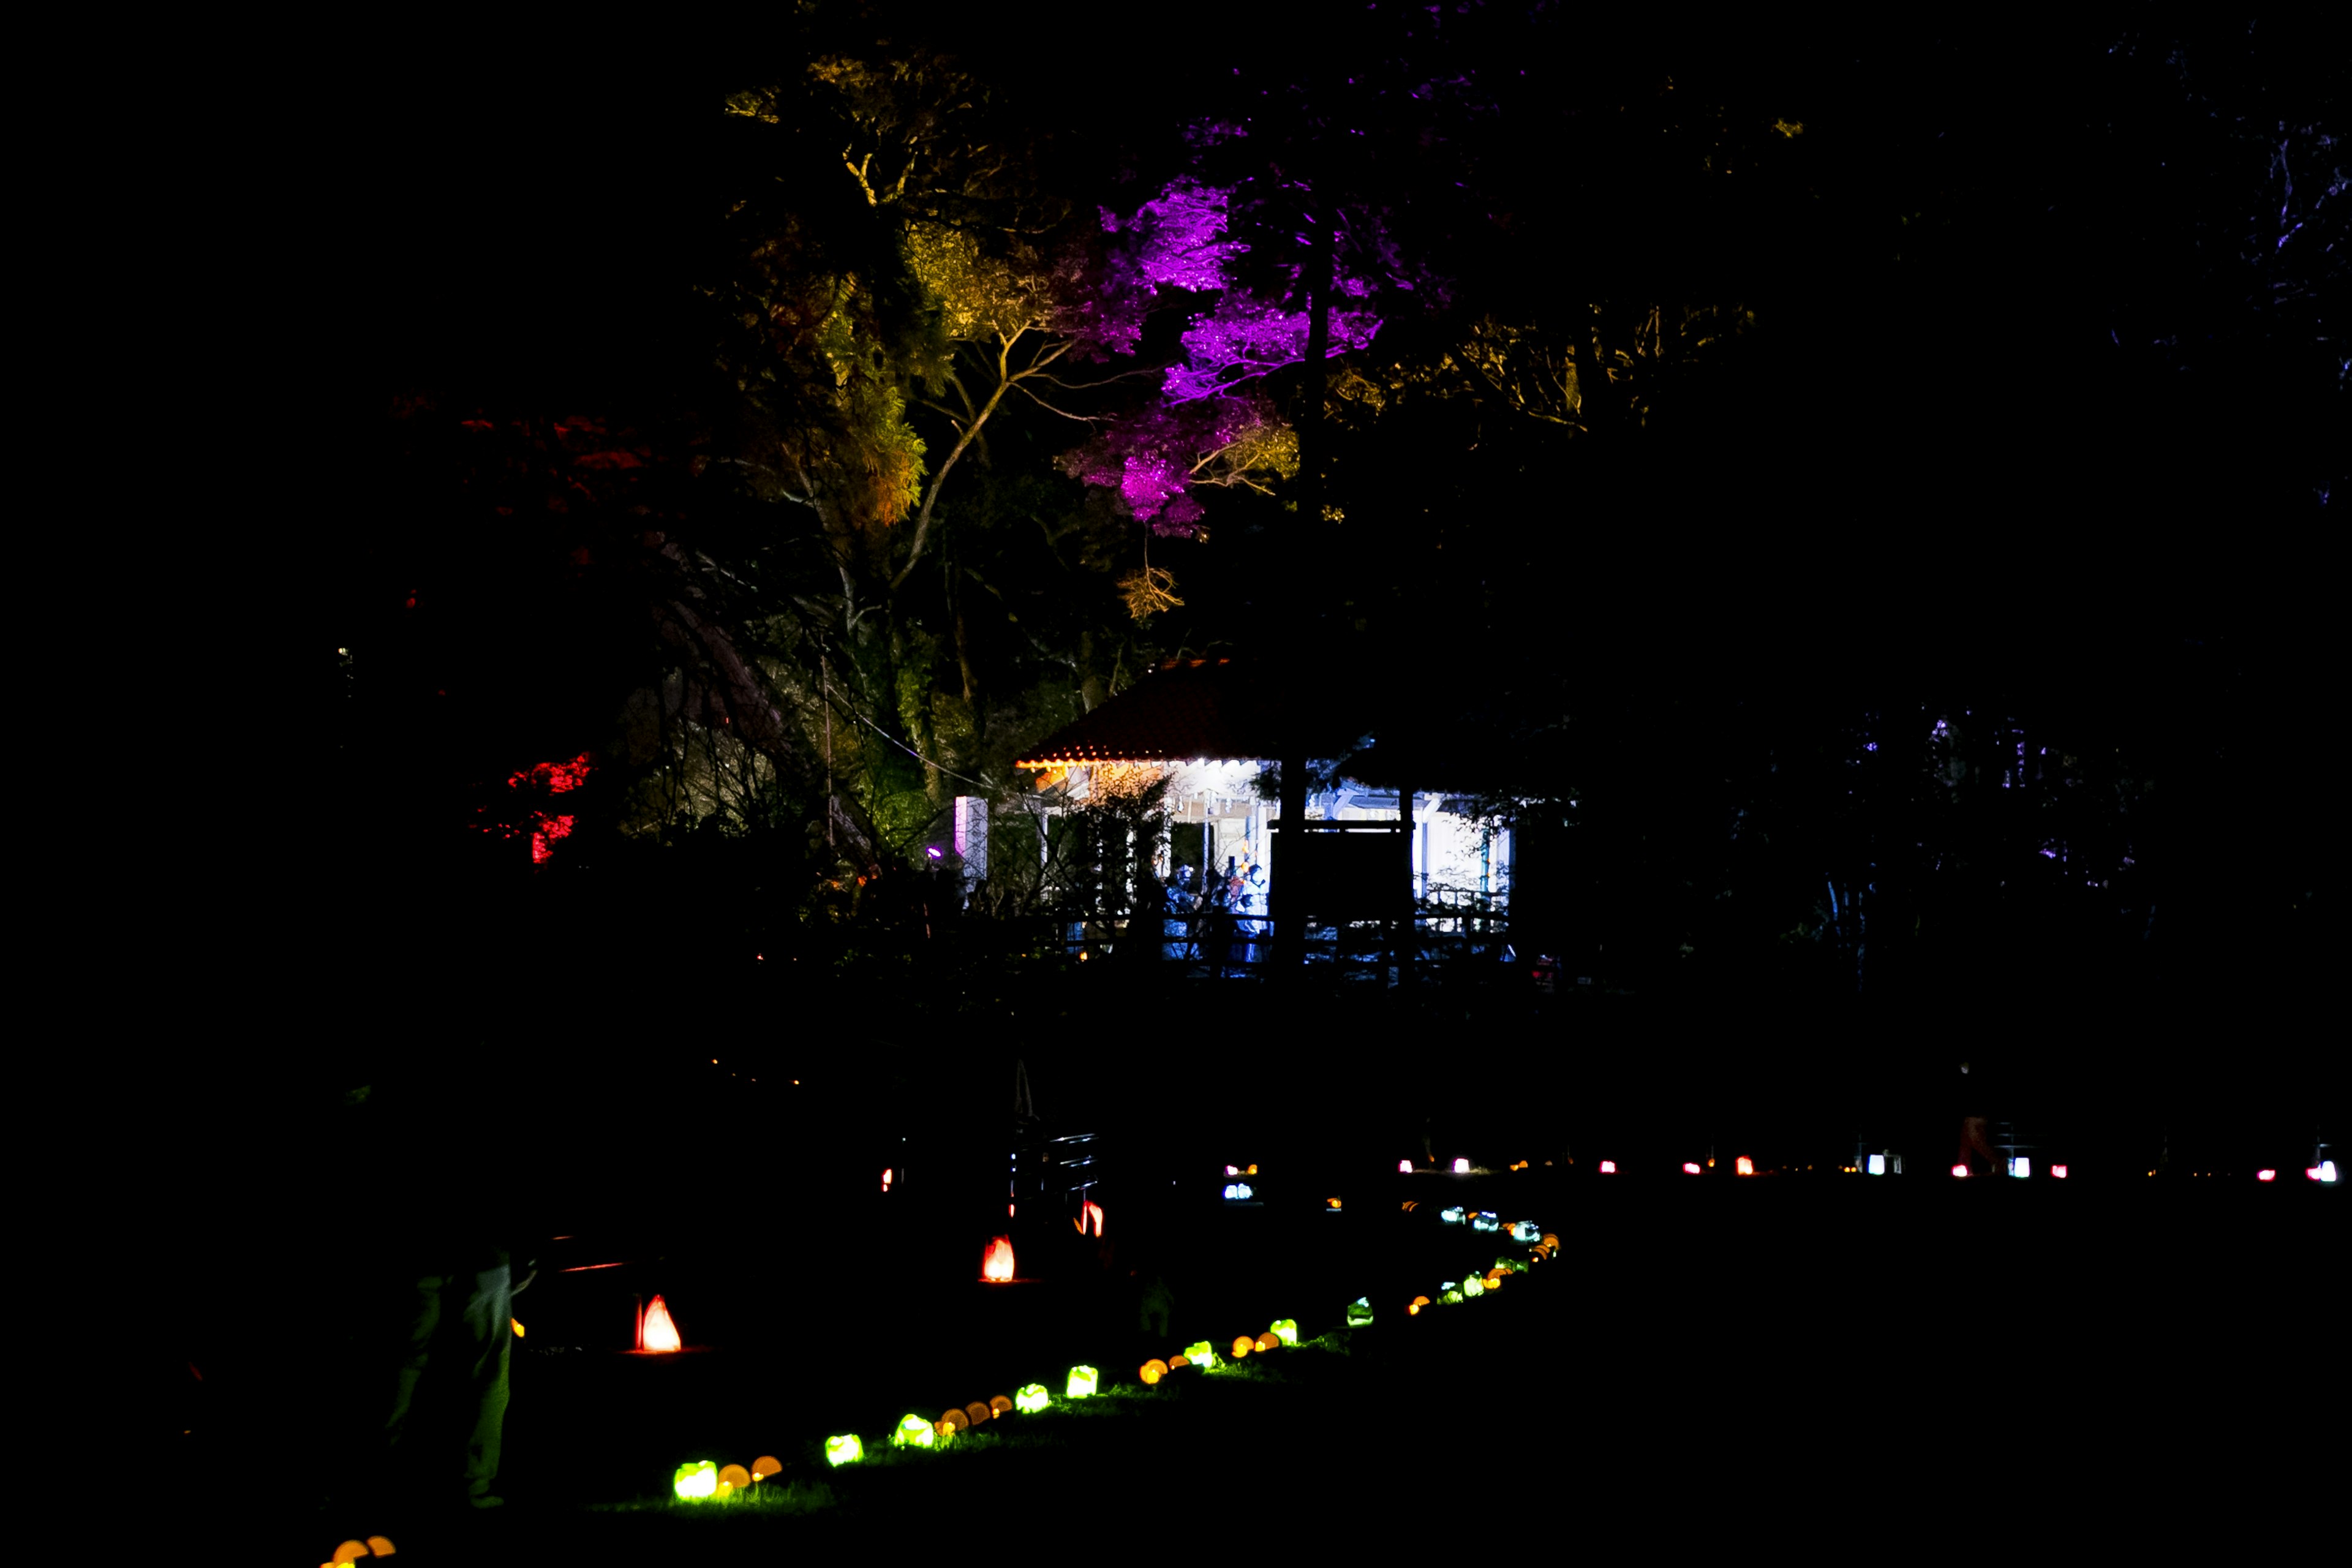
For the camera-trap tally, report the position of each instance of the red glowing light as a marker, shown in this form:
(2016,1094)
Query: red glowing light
(1090,1217)
(996,1263)
(2266,1176)
(1608,1167)
(1744,1165)
(658,1334)
(2059,1171)
(1959,1170)
(1689,1169)
(550,778)
(885,1181)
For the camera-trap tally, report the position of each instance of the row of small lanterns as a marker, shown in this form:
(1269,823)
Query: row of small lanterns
(701,1481)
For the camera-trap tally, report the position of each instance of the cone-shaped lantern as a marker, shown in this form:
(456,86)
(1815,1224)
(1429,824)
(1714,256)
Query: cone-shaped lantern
(996,1263)
(657,1333)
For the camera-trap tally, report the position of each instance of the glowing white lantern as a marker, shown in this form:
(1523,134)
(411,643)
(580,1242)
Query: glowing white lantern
(2323,1172)
(1233,1170)
(1743,1166)
(1239,1191)
(1485,1221)
(1461,1167)
(2059,1171)
(1878,1164)
(1690,1168)
(1608,1167)
(2266,1176)
(1404,1167)
(1960,1170)
(2020,1166)
(1454,1216)
(1526,1230)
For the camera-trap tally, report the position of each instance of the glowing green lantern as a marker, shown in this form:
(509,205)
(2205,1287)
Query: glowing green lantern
(1516,1265)
(1082,1382)
(1360,1312)
(914,1432)
(1474,1286)
(696,1480)
(1031,1399)
(843,1451)
(1285,1330)
(1449,1293)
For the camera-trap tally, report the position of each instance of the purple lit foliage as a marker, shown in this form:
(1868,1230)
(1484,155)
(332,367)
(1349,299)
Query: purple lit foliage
(1209,425)
(1155,455)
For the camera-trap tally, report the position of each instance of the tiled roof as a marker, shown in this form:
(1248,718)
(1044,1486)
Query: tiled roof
(1191,708)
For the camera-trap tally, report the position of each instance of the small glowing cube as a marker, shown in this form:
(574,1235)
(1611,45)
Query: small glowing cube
(1461,1167)
(1082,1382)
(914,1432)
(2327,1170)
(2020,1166)
(1404,1167)
(1285,1330)
(1960,1170)
(1608,1167)
(696,1480)
(2059,1171)
(1878,1164)
(1454,1216)
(1031,1399)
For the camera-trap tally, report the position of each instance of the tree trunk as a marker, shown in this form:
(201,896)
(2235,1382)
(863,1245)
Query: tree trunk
(1297,659)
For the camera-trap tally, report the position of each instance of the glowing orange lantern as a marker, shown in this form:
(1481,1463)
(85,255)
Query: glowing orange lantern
(1265,1343)
(1243,1345)
(1173,1362)
(658,1332)
(996,1263)
(766,1465)
(977,1411)
(735,1476)
(1418,1303)
(1153,1371)
(955,1418)
(1552,1240)
(1743,1166)
(999,1405)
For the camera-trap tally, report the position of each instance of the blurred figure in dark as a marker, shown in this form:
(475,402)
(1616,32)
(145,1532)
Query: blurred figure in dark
(447,1232)
(1182,900)
(1975,1122)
